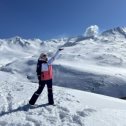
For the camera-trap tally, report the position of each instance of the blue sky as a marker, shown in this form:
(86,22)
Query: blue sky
(46,19)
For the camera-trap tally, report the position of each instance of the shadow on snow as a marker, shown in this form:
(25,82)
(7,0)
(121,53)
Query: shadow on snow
(23,108)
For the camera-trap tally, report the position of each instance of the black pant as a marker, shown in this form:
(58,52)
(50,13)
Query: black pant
(40,89)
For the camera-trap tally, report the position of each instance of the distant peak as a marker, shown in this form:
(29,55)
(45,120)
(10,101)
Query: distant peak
(16,38)
(119,30)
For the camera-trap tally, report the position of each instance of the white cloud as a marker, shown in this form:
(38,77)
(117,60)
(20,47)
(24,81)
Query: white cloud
(93,30)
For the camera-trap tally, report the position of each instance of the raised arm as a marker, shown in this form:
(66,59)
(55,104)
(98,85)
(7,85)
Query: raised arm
(50,61)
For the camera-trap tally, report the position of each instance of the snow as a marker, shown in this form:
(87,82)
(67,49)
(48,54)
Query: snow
(87,72)
(73,107)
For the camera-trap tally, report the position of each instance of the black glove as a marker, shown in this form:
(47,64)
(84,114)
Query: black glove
(60,49)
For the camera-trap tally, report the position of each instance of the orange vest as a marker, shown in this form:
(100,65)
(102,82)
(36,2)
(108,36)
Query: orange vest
(47,75)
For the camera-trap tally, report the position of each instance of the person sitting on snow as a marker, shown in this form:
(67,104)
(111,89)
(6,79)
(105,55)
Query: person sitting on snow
(45,76)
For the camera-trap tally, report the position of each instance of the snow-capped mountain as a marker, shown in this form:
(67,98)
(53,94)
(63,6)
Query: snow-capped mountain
(96,64)
(119,30)
(93,63)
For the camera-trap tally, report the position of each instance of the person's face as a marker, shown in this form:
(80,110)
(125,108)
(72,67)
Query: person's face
(44,57)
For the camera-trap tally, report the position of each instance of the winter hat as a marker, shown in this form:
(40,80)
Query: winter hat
(43,57)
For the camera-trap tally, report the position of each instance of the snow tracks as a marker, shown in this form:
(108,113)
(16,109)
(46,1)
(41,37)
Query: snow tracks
(72,107)
(14,110)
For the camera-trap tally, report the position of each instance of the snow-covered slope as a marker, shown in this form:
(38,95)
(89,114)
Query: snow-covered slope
(73,107)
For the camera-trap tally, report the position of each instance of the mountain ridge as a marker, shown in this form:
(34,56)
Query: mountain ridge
(112,31)
(95,61)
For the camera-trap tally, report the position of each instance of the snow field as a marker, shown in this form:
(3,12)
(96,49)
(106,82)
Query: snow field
(72,107)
